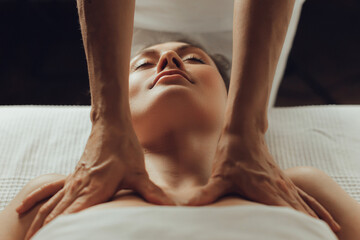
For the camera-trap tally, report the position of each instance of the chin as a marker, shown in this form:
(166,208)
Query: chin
(168,111)
(174,105)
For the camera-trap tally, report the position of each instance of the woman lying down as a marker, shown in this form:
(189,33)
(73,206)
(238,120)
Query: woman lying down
(178,129)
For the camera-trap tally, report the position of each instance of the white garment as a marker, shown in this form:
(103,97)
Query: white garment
(171,223)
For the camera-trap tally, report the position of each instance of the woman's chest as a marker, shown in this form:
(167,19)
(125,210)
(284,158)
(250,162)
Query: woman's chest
(128,198)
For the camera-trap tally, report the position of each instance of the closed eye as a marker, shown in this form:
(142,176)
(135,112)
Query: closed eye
(148,63)
(141,65)
(196,59)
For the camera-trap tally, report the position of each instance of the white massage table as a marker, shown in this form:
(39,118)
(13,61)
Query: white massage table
(36,140)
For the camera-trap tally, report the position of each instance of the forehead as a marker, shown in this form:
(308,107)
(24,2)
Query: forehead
(166,46)
(158,49)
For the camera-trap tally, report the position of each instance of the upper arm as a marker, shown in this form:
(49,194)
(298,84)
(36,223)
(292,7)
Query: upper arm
(342,207)
(13,226)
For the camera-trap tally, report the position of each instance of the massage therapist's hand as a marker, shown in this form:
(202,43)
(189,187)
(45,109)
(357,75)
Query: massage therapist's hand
(112,160)
(244,165)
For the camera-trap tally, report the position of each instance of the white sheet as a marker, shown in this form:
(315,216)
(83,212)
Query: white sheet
(36,140)
(178,223)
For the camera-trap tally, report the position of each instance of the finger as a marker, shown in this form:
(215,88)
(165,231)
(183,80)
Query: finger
(60,207)
(296,200)
(42,214)
(309,210)
(320,210)
(78,205)
(152,193)
(305,207)
(83,202)
(207,194)
(39,194)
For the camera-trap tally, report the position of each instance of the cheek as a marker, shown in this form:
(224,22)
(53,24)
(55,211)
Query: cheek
(214,88)
(211,81)
(139,81)
(134,88)
(136,85)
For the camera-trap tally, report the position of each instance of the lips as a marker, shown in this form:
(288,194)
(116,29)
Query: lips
(171,72)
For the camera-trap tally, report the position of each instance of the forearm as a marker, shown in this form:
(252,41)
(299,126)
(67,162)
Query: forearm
(259,30)
(107,28)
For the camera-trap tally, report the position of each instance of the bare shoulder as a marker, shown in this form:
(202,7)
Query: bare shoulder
(33,184)
(318,184)
(41,180)
(11,225)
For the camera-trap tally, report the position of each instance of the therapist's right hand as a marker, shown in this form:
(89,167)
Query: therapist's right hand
(112,160)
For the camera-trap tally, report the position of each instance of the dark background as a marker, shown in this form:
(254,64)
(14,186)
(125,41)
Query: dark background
(42,59)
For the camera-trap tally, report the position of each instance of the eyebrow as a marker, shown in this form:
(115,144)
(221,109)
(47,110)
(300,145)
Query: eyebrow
(156,52)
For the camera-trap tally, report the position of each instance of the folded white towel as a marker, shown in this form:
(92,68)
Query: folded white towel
(167,222)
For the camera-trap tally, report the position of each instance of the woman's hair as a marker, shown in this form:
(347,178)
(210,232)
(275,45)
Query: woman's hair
(221,62)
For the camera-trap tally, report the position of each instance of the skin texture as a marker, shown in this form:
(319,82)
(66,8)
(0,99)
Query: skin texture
(158,115)
(242,163)
(112,158)
(345,209)
(179,125)
(161,130)
(242,166)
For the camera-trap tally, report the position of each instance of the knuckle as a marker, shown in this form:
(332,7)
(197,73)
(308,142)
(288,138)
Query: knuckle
(88,190)
(43,210)
(221,178)
(226,183)
(75,184)
(311,199)
(281,183)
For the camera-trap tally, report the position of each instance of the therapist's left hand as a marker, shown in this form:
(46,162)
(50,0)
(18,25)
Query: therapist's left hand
(244,166)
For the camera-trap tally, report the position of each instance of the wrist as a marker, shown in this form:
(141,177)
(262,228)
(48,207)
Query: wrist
(251,138)
(111,121)
(245,117)
(110,114)
(246,128)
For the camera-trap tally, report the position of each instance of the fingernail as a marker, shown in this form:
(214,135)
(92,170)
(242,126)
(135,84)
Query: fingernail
(18,209)
(338,227)
(47,220)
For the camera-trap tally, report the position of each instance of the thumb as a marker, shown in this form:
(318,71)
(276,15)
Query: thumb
(207,194)
(152,193)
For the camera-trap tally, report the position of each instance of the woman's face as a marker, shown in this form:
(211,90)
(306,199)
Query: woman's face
(196,99)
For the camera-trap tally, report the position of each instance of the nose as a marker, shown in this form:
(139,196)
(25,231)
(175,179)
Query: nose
(171,60)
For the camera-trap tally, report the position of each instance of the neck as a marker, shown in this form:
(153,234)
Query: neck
(180,161)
